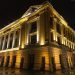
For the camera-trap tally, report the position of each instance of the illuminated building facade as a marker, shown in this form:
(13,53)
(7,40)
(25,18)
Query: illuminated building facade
(40,40)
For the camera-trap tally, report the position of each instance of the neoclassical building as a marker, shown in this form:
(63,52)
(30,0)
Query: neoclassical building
(40,40)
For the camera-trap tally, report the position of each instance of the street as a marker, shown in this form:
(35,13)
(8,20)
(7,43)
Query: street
(9,71)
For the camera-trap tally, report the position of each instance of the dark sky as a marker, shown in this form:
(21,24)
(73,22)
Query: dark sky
(11,10)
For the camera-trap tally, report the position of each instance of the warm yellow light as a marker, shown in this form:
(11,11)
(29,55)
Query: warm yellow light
(54,36)
(24,19)
(27,41)
(56,53)
(22,46)
(42,42)
(37,36)
(65,23)
(73,46)
(13,49)
(62,41)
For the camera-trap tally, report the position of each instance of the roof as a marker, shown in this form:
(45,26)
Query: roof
(33,10)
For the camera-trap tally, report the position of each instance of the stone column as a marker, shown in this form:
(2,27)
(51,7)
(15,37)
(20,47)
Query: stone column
(8,41)
(13,40)
(54,25)
(0,43)
(42,29)
(27,28)
(3,42)
(38,29)
(19,37)
(23,36)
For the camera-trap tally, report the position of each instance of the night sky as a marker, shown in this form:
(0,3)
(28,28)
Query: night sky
(11,10)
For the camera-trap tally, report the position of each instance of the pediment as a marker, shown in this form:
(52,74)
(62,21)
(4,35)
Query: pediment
(31,10)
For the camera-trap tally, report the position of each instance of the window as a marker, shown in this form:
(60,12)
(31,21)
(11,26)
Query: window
(33,39)
(59,40)
(6,41)
(68,33)
(64,31)
(51,22)
(16,39)
(51,36)
(11,40)
(58,28)
(33,27)
(1,45)
(33,33)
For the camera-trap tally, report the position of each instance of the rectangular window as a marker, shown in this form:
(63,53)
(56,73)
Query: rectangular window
(65,31)
(33,33)
(16,39)
(33,27)
(58,28)
(51,22)
(51,36)
(33,39)
(6,40)
(10,41)
(59,40)
(1,45)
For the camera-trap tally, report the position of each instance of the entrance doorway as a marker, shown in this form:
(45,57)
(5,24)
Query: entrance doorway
(2,62)
(7,61)
(21,63)
(43,64)
(31,62)
(53,63)
(61,62)
(13,62)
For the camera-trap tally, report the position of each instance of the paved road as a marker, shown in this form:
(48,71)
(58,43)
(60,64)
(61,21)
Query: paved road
(23,72)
